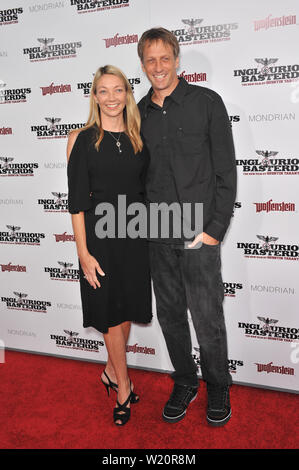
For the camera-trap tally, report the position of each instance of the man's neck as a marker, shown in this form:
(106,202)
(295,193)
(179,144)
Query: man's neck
(158,96)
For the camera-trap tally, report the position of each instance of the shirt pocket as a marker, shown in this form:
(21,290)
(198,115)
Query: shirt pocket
(190,142)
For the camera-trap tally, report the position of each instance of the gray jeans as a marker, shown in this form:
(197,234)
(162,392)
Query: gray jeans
(191,278)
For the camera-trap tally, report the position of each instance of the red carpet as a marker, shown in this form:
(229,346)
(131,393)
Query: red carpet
(52,403)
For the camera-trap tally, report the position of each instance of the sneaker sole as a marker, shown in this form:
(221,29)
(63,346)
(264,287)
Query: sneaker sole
(218,422)
(176,419)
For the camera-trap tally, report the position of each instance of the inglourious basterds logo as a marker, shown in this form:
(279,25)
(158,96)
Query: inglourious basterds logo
(85,87)
(232,363)
(269,248)
(21,302)
(267,328)
(10,16)
(60,204)
(231,288)
(54,129)
(266,164)
(90,6)
(8,168)
(13,236)
(266,73)
(71,340)
(48,50)
(63,273)
(194,32)
(13,95)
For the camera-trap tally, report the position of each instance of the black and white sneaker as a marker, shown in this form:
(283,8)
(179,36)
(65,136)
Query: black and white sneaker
(219,410)
(180,398)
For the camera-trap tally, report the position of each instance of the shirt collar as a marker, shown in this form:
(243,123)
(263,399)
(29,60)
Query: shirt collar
(177,95)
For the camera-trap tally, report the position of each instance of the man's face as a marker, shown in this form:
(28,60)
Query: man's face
(160,65)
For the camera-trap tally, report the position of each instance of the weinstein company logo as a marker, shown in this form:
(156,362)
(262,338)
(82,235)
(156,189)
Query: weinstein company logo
(270,368)
(52,205)
(54,130)
(272,22)
(65,273)
(13,268)
(268,249)
(49,90)
(16,95)
(267,73)
(266,329)
(269,166)
(5,131)
(20,302)
(49,51)
(14,237)
(7,168)
(86,86)
(194,33)
(140,349)
(72,341)
(63,237)
(90,6)
(193,77)
(120,40)
(10,16)
(271,206)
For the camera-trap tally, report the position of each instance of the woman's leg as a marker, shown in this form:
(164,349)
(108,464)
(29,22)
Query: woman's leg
(126,326)
(115,341)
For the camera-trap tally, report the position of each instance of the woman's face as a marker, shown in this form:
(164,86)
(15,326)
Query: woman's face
(111,95)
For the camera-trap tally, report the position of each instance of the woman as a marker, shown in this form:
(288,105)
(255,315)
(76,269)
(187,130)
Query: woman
(106,158)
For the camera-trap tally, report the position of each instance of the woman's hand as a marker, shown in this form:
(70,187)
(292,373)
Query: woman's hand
(90,266)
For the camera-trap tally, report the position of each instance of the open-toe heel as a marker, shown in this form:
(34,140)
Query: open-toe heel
(109,385)
(121,412)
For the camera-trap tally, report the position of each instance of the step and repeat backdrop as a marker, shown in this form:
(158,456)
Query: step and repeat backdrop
(247,52)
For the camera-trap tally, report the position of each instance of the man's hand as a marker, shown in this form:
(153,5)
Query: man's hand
(204,238)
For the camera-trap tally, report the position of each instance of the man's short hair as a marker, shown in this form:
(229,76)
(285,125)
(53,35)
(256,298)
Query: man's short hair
(154,34)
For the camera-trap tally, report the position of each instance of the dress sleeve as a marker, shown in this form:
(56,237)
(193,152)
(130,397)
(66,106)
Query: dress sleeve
(78,178)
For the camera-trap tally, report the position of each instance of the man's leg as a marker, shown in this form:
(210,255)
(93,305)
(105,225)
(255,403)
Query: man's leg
(172,310)
(204,290)
(172,315)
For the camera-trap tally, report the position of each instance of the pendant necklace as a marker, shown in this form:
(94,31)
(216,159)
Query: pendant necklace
(118,144)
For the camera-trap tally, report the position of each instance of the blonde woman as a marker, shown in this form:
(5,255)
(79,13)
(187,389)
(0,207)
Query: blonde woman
(106,158)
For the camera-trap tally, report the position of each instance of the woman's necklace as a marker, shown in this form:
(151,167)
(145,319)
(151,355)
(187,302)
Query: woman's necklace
(118,144)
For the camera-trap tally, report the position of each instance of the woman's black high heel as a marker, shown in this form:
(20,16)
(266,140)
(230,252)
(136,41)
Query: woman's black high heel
(121,412)
(133,397)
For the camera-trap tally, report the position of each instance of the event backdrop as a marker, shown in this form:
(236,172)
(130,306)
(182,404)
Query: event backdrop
(247,52)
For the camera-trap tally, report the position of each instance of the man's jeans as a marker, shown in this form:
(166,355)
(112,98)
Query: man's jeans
(191,278)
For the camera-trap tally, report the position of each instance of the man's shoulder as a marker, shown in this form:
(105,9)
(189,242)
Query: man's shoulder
(202,92)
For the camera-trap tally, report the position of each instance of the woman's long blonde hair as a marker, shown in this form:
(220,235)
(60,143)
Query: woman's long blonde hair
(131,112)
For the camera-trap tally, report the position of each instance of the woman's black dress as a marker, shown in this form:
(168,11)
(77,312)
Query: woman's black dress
(95,177)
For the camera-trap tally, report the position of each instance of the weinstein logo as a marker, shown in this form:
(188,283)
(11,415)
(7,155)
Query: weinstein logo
(271,206)
(121,40)
(270,368)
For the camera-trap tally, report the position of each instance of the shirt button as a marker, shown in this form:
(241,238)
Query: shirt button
(164,112)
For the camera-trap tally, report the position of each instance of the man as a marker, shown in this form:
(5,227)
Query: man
(187,131)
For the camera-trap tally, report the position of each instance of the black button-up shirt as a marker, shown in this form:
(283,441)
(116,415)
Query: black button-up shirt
(191,153)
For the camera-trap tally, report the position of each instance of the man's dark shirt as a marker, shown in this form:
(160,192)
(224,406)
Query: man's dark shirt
(192,153)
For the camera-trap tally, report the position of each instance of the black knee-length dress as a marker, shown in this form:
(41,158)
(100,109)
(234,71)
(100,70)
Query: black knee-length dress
(100,177)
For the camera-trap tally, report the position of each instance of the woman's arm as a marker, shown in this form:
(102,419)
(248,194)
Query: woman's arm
(88,263)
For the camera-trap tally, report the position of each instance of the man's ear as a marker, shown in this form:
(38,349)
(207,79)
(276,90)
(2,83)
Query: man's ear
(142,66)
(177,62)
